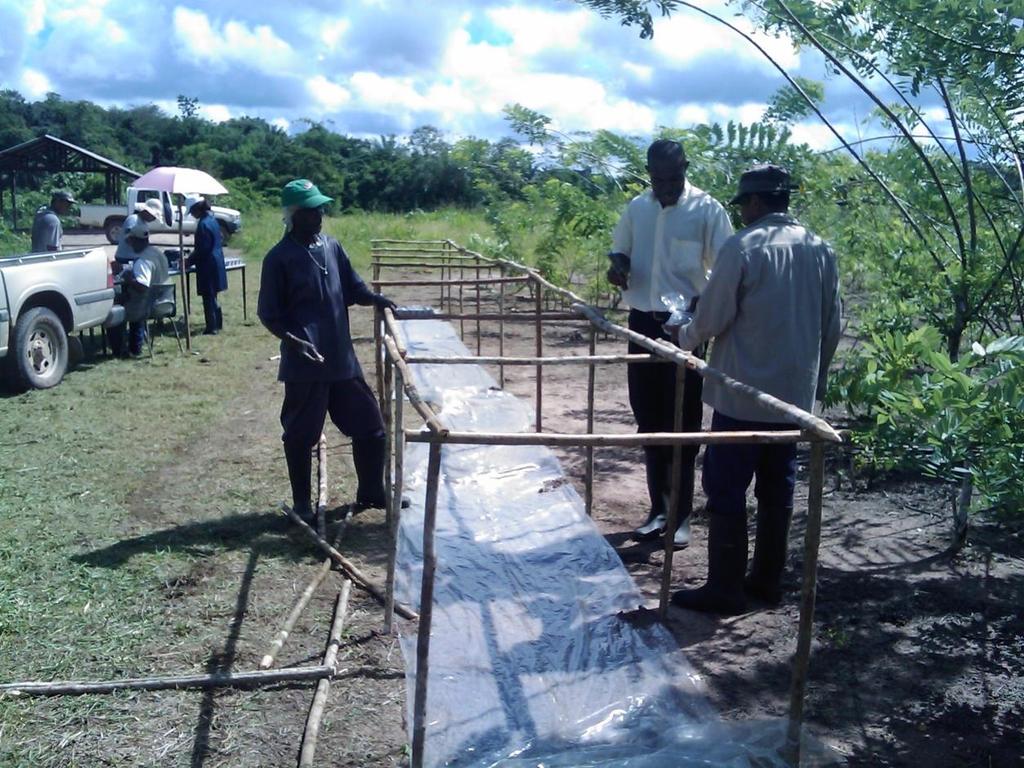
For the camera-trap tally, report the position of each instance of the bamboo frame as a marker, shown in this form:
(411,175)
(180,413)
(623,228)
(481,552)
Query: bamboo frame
(167,683)
(812,430)
(311,733)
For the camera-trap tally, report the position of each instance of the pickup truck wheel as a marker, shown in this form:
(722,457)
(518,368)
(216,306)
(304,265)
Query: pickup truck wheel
(40,349)
(112,228)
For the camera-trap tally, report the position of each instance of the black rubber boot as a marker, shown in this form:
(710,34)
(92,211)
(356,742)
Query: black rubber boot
(300,465)
(765,578)
(658,490)
(727,561)
(369,456)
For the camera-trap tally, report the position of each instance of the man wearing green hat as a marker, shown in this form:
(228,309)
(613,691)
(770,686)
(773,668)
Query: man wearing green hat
(306,287)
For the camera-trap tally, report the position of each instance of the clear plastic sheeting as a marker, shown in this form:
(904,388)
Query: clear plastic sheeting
(539,655)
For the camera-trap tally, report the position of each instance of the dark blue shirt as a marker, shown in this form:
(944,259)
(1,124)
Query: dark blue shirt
(308,291)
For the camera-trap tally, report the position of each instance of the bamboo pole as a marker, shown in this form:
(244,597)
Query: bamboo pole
(175,682)
(426,607)
(801,417)
(538,331)
(449,282)
(588,493)
(801,661)
(300,605)
(323,688)
(378,354)
(417,314)
(427,265)
(391,323)
(361,580)
(462,323)
(396,501)
(672,513)
(611,439)
(429,416)
(388,414)
(321,478)
(565,360)
(501,328)
(479,336)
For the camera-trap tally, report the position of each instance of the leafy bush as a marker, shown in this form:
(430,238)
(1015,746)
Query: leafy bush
(955,421)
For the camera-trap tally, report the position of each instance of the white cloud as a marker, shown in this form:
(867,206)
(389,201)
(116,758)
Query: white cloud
(235,44)
(327,94)
(376,91)
(282,123)
(35,84)
(534,30)
(687,36)
(691,114)
(218,113)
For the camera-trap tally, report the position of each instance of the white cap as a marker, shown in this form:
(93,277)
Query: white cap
(139,229)
(151,206)
(191,200)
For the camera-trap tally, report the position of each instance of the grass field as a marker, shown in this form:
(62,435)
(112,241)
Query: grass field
(76,461)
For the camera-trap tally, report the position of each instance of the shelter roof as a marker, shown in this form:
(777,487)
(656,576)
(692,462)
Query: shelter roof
(49,154)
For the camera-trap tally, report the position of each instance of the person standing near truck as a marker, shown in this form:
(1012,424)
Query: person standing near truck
(47,231)
(148,270)
(208,258)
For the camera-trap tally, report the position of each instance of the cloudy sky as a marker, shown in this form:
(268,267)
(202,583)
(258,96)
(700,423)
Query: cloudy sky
(371,67)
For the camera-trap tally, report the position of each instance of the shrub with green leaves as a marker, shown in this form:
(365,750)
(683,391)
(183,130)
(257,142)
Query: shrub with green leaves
(921,412)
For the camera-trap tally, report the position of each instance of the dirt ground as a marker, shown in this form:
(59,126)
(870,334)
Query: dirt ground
(918,658)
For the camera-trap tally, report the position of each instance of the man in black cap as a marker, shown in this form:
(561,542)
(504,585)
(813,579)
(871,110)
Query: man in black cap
(47,231)
(306,287)
(663,248)
(772,306)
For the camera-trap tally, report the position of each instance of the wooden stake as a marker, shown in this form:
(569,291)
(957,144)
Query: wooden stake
(565,360)
(426,607)
(672,513)
(178,682)
(801,661)
(538,331)
(588,493)
(396,501)
(321,476)
(361,580)
(620,439)
(501,328)
(323,688)
(429,416)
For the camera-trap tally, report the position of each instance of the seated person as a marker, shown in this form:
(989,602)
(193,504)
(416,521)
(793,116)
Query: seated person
(148,270)
(147,212)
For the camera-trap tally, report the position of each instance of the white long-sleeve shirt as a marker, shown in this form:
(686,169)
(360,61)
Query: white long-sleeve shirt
(772,306)
(671,250)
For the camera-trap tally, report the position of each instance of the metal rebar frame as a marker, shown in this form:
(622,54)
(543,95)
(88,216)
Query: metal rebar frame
(441,256)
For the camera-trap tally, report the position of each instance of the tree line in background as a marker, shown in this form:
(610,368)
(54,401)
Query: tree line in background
(928,223)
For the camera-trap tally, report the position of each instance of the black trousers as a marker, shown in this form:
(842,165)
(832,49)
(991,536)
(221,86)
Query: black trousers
(212,312)
(652,394)
(354,410)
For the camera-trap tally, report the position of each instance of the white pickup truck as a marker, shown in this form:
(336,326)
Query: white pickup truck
(111,217)
(43,298)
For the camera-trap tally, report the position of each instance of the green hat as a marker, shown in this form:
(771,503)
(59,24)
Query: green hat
(302,193)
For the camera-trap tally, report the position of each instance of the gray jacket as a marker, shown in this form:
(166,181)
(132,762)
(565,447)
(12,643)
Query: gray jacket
(772,305)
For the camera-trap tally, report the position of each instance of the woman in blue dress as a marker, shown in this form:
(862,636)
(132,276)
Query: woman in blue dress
(208,259)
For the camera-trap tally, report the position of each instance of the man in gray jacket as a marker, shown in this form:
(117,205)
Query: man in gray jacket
(772,306)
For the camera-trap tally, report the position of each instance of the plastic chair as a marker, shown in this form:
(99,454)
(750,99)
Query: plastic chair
(164,306)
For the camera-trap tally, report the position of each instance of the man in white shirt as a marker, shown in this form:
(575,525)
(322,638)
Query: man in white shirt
(148,270)
(664,247)
(147,212)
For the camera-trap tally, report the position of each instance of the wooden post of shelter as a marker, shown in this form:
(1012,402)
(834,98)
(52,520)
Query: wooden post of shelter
(389,409)
(378,345)
(801,661)
(672,513)
(479,338)
(426,606)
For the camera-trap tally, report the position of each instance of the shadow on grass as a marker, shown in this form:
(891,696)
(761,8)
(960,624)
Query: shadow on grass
(275,535)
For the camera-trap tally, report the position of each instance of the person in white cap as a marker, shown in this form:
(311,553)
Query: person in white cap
(208,258)
(47,231)
(147,212)
(148,270)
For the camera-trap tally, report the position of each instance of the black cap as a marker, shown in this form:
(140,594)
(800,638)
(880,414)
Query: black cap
(763,178)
